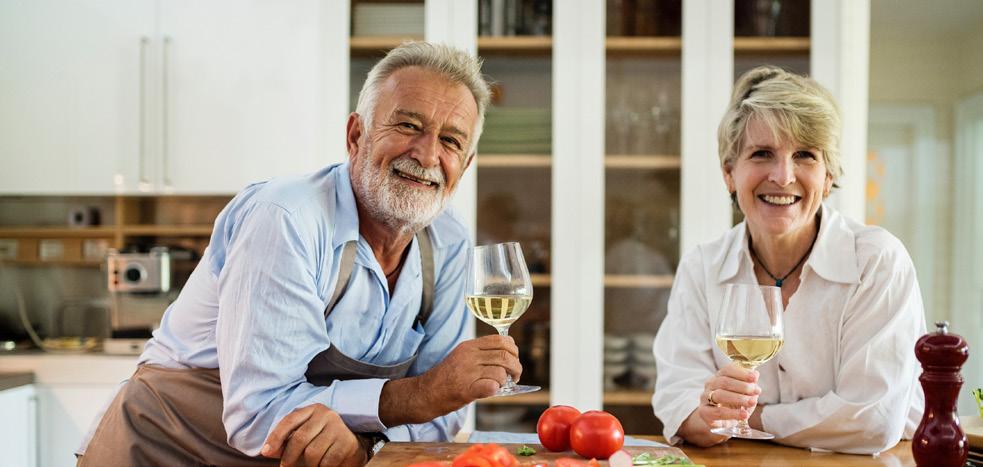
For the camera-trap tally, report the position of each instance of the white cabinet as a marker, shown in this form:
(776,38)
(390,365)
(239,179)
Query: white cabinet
(70,391)
(18,432)
(71,93)
(240,93)
(65,413)
(151,96)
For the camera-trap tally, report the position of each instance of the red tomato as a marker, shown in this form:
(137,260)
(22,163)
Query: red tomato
(554,427)
(596,434)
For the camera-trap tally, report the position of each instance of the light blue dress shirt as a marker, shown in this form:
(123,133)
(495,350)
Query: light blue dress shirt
(254,308)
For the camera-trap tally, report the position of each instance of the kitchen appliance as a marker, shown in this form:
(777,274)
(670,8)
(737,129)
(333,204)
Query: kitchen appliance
(140,272)
(139,286)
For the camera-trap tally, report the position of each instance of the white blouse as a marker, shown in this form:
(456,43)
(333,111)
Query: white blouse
(846,379)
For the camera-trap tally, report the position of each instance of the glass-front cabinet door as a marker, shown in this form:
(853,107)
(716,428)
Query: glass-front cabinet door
(642,197)
(514,184)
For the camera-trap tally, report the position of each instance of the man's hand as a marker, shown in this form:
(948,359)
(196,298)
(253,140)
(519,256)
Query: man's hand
(314,436)
(474,370)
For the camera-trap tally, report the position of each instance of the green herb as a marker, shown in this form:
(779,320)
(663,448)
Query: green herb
(646,459)
(978,394)
(525,451)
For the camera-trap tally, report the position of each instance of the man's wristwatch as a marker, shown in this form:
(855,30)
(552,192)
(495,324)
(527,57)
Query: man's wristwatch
(372,442)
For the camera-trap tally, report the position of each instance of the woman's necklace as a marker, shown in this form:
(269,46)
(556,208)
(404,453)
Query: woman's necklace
(780,280)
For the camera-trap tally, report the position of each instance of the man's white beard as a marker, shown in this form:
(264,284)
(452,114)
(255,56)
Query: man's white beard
(391,201)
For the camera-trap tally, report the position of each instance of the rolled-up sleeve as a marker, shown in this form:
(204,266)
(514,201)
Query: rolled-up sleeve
(866,411)
(448,325)
(270,324)
(682,347)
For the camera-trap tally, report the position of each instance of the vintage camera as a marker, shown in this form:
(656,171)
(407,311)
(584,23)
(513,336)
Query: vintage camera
(140,272)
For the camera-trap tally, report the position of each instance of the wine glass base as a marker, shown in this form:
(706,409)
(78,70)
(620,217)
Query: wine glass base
(516,389)
(743,433)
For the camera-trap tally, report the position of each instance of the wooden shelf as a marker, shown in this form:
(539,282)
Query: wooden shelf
(638,281)
(168,230)
(540,280)
(514,160)
(57,232)
(72,263)
(771,45)
(541,397)
(615,45)
(657,162)
(632,397)
(643,45)
(615,161)
(515,44)
(623,281)
(377,45)
(624,397)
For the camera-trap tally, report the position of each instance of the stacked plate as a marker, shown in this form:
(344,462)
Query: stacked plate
(643,361)
(616,354)
(388,19)
(516,130)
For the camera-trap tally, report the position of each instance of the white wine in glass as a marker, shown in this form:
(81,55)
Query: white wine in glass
(498,291)
(750,333)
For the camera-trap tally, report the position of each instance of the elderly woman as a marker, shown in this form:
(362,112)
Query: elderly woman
(846,378)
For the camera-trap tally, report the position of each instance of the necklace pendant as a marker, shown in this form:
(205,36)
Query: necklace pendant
(778,283)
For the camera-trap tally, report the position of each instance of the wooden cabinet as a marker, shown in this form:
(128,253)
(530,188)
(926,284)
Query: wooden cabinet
(151,96)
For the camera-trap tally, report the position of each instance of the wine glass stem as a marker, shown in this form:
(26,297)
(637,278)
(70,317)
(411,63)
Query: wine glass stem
(509,384)
(742,424)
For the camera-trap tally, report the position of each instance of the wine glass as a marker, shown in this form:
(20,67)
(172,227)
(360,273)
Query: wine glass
(749,333)
(498,291)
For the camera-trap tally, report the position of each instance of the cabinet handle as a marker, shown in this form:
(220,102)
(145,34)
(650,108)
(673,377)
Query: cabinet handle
(35,430)
(142,161)
(165,111)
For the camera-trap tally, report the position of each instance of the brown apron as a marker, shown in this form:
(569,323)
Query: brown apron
(173,417)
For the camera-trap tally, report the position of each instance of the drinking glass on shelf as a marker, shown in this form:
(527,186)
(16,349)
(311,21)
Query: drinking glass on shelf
(749,333)
(498,291)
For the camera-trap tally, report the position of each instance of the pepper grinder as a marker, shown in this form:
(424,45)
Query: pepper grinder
(939,441)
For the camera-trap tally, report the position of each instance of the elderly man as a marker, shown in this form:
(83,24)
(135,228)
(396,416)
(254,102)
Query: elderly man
(327,313)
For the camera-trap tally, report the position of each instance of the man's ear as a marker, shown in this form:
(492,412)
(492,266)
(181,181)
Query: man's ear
(353,133)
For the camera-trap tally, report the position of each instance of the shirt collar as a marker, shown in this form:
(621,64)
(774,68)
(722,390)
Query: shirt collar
(346,212)
(833,257)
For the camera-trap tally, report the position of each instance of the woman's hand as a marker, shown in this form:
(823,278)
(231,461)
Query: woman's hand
(727,397)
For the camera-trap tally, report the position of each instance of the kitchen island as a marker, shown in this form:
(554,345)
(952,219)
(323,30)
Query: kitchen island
(734,453)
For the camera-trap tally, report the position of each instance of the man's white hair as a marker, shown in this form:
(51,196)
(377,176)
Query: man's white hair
(456,65)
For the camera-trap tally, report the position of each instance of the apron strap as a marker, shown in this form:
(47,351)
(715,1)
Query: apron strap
(426,263)
(344,275)
(426,260)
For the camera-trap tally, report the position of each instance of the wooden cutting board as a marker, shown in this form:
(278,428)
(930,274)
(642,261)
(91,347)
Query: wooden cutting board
(408,453)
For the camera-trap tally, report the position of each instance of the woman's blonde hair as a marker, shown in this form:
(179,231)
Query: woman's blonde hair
(794,107)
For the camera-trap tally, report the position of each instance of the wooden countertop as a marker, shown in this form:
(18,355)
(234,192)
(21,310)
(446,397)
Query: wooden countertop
(735,453)
(738,452)
(10,379)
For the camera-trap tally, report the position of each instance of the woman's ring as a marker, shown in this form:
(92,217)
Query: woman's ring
(710,400)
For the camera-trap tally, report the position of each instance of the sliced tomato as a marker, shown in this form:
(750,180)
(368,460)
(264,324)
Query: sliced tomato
(569,462)
(467,460)
(430,464)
